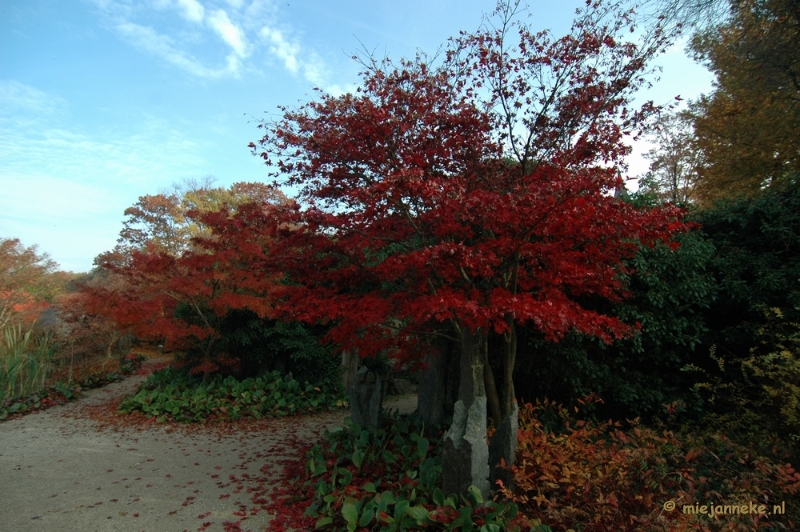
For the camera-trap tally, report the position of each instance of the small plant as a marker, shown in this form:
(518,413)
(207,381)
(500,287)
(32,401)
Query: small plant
(63,392)
(51,396)
(174,395)
(26,360)
(131,363)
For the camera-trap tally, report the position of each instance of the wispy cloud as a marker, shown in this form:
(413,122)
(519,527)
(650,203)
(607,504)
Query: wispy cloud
(165,47)
(20,97)
(282,48)
(66,188)
(245,27)
(229,32)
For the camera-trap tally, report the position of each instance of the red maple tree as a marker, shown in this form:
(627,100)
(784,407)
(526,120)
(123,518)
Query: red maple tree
(473,198)
(476,194)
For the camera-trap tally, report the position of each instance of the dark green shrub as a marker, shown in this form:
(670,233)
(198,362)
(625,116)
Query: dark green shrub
(175,395)
(756,264)
(746,386)
(670,292)
(249,346)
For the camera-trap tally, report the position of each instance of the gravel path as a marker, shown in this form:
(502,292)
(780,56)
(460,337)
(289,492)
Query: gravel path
(78,467)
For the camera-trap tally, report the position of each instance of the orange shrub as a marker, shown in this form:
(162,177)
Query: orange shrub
(597,477)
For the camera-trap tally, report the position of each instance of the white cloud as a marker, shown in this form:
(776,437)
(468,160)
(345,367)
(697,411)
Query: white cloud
(192,10)
(337,90)
(314,69)
(228,31)
(240,25)
(164,47)
(281,47)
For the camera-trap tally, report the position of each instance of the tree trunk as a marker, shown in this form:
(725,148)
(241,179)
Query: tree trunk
(438,383)
(349,369)
(509,361)
(504,442)
(492,395)
(465,459)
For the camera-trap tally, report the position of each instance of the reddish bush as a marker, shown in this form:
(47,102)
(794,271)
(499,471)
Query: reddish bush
(597,478)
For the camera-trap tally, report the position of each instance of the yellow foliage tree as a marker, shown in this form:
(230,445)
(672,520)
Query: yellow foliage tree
(747,128)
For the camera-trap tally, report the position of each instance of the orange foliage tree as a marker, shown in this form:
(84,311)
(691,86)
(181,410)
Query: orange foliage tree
(184,299)
(29,280)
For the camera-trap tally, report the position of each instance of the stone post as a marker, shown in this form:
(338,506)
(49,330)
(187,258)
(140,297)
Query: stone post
(465,458)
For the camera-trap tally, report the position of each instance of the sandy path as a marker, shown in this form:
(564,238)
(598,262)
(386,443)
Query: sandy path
(60,469)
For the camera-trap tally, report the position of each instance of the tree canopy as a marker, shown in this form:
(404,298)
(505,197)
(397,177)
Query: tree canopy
(472,197)
(747,128)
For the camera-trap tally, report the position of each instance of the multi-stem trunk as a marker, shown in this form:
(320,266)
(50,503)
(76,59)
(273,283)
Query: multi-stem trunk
(500,399)
(509,361)
(492,395)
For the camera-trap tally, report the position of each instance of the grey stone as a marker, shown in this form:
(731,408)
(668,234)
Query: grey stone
(465,459)
(504,445)
(366,397)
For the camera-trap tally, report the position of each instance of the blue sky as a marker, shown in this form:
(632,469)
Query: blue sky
(102,101)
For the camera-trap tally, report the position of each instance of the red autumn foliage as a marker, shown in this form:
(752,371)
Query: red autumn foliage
(183,299)
(470,197)
(86,343)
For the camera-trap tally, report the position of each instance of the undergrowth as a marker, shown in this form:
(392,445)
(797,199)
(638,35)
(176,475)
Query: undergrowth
(386,479)
(569,475)
(593,477)
(174,395)
(63,392)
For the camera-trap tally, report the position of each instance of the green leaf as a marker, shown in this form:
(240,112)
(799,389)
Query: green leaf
(422,446)
(358,457)
(388,457)
(347,476)
(400,508)
(476,494)
(350,514)
(369,487)
(438,497)
(418,513)
(366,517)
(325,521)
